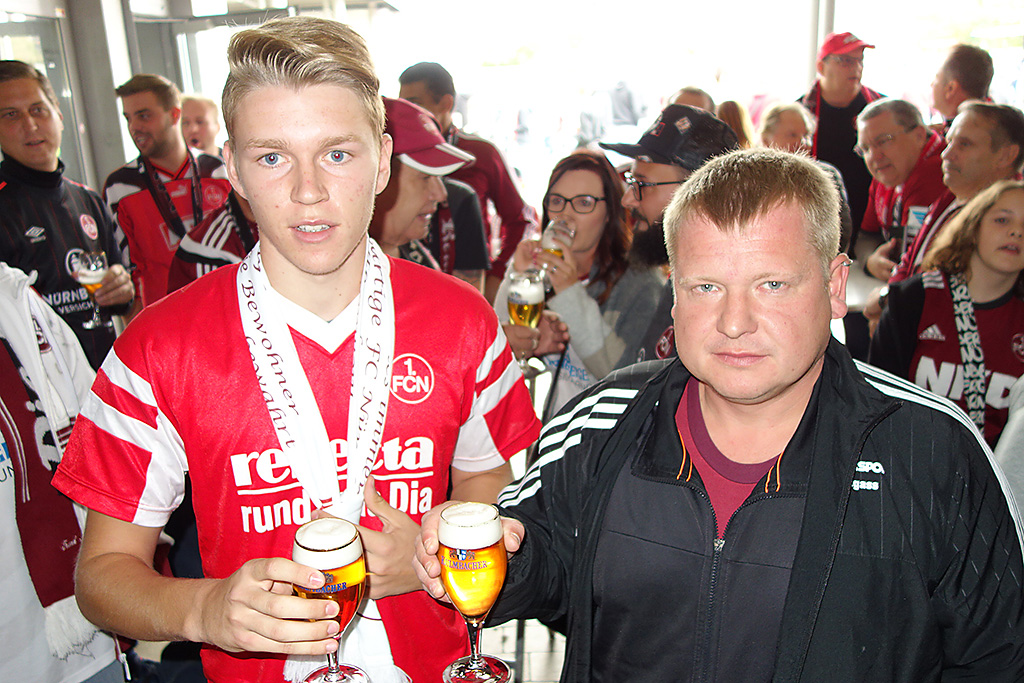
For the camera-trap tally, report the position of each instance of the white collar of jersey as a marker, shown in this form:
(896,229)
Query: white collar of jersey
(328,334)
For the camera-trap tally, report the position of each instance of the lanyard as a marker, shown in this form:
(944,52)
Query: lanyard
(163,200)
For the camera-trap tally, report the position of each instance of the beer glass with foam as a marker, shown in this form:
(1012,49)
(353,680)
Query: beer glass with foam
(525,306)
(90,269)
(333,546)
(473,562)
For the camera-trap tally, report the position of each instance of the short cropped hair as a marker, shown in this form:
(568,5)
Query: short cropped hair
(436,78)
(773,116)
(166,92)
(699,92)
(12,70)
(971,67)
(199,99)
(736,188)
(907,116)
(1006,126)
(953,248)
(297,52)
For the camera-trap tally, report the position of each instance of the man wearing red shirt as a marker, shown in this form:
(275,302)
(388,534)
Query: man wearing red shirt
(902,156)
(429,85)
(157,198)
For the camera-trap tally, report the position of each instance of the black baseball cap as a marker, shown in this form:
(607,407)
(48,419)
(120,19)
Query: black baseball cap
(681,136)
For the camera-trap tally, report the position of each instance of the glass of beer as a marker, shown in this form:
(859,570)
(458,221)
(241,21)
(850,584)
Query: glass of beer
(333,546)
(557,237)
(473,561)
(90,269)
(525,305)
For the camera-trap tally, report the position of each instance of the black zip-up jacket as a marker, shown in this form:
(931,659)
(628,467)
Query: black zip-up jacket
(905,560)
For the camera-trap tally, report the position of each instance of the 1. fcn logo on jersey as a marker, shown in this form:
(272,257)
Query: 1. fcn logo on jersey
(412,379)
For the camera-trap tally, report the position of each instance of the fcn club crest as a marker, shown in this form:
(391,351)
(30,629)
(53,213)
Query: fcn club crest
(412,378)
(88,224)
(1017,344)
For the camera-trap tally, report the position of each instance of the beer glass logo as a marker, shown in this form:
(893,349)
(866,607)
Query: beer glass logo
(412,379)
(331,584)
(462,555)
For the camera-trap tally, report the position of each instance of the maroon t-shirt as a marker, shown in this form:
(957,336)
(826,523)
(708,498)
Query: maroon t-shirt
(727,482)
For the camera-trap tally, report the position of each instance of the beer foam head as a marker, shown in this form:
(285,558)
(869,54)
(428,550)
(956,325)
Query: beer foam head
(469,526)
(326,543)
(526,291)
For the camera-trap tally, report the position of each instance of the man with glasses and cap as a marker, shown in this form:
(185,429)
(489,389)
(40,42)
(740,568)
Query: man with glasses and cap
(835,99)
(680,141)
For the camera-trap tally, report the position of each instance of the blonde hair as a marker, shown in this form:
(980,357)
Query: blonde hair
(301,51)
(732,190)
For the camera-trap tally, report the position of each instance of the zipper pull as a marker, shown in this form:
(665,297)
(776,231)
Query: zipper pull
(719,544)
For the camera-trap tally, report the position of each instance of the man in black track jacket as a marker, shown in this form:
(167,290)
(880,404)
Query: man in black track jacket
(762,508)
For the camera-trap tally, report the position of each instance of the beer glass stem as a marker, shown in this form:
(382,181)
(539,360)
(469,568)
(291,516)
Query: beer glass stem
(473,626)
(333,668)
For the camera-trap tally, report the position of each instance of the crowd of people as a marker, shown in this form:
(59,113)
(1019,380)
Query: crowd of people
(318,322)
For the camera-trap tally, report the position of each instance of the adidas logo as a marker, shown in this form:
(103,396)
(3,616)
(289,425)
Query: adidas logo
(932,333)
(35,234)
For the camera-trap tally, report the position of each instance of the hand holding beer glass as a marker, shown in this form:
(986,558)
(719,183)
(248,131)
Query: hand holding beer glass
(90,269)
(525,304)
(473,561)
(333,546)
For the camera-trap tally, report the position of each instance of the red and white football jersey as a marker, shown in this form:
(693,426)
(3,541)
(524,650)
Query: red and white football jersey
(179,394)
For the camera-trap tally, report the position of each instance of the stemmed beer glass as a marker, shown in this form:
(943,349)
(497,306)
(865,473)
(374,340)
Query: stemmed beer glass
(90,270)
(333,546)
(473,562)
(525,306)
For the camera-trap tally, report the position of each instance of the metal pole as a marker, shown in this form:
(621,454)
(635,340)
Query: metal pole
(813,61)
(134,56)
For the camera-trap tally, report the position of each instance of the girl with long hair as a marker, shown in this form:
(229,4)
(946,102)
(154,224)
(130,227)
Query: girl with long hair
(957,329)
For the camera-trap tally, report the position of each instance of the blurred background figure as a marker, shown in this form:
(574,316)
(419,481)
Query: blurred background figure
(965,75)
(200,123)
(737,118)
(692,96)
(835,99)
(789,126)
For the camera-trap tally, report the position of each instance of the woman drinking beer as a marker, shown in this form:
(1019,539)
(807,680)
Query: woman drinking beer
(605,303)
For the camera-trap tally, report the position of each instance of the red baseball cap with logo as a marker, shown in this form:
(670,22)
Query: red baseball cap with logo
(840,44)
(418,140)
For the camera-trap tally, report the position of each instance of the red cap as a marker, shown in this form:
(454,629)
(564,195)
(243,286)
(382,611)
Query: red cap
(418,140)
(840,44)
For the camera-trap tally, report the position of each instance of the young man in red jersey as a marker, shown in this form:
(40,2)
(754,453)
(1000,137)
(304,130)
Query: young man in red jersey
(329,382)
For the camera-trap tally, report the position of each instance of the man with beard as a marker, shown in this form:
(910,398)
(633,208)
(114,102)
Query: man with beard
(680,141)
(157,198)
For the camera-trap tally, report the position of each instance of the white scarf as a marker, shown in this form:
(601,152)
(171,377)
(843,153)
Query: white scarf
(303,437)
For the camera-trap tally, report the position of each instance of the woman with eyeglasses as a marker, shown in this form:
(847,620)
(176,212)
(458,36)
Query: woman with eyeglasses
(957,328)
(605,304)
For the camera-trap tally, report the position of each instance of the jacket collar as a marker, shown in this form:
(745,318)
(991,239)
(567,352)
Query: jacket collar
(841,409)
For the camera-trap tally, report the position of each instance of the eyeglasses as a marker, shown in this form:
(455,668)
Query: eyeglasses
(581,203)
(879,143)
(847,60)
(638,185)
